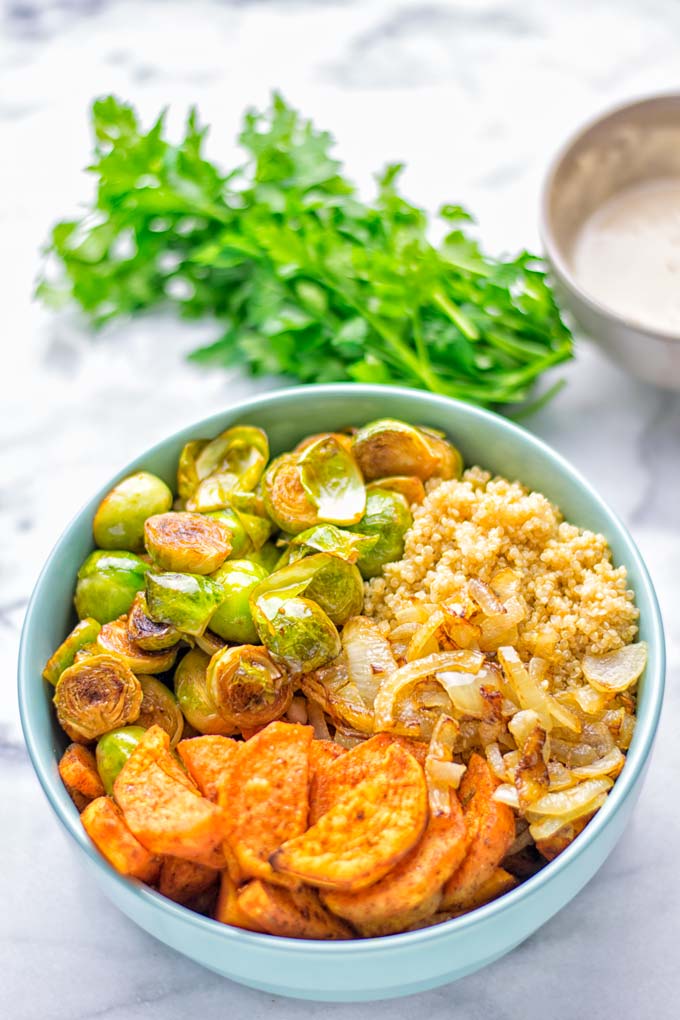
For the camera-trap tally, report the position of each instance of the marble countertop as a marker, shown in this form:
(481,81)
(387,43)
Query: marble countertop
(474,95)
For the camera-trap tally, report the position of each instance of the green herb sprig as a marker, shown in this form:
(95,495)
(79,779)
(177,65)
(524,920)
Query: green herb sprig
(305,279)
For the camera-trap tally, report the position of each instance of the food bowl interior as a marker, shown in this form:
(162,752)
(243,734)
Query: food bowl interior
(287,416)
(634,144)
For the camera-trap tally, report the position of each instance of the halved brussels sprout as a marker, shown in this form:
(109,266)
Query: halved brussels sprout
(233,620)
(119,520)
(209,642)
(232,461)
(82,634)
(191,690)
(389,447)
(187,601)
(258,528)
(240,540)
(328,538)
(330,477)
(247,687)
(114,638)
(95,696)
(387,516)
(338,589)
(145,632)
(160,708)
(186,542)
(285,498)
(296,631)
(113,750)
(107,584)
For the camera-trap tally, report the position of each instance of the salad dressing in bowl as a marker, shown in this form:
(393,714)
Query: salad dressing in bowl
(627,254)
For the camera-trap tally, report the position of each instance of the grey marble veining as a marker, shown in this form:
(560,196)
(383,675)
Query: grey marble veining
(474,95)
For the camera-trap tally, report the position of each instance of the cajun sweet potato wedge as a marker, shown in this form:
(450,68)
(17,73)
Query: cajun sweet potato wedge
(182,880)
(412,891)
(265,799)
(163,808)
(79,774)
(208,759)
(491,827)
(334,779)
(227,910)
(294,914)
(366,833)
(104,823)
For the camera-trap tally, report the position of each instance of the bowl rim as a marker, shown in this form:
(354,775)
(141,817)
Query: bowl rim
(554,248)
(636,757)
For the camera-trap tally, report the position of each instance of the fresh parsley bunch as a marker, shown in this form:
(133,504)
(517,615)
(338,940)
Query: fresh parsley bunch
(305,279)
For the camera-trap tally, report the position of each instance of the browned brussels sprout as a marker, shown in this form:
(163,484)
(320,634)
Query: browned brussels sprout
(145,632)
(83,634)
(192,694)
(187,601)
(114,638)
(389,447)
(247,687)
(95,696)
(186,542)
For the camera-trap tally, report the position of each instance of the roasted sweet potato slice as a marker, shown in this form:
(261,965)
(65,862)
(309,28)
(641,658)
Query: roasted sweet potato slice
(491,828)
(104,823)
(227,910)
(182,880)
(366,833)
(334,779)
(163,808)
(208,760)
(266,798)
(412,891)
(79,774)
(294,914)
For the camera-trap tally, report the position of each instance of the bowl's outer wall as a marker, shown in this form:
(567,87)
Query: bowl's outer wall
(380,967)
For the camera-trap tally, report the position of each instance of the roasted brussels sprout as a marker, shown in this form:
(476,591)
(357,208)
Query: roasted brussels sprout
(339,590)
(233,620)
(296,631)
(113,750)
(145,632)
(187,601)
(82,635)
(187,542)
(327,538)
(330,477)
(247,687)
(233,461)
(285,498)
(342,438)
(119,520)
(95,696)
(114,638)
(389,447)
(209,642)
(160,708)
(387,516)
(107,584)
(191,690)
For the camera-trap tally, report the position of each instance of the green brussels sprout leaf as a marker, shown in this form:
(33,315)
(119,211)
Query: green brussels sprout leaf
(332,481)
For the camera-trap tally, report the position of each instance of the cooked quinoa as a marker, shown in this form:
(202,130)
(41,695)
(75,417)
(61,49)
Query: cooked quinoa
(577,601)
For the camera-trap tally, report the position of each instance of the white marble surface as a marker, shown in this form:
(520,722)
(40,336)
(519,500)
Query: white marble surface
(474,95)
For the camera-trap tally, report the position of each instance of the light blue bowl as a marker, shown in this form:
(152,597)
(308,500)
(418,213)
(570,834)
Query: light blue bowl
(398,964)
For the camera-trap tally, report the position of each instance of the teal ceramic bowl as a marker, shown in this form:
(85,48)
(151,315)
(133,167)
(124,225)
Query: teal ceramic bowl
(397,964)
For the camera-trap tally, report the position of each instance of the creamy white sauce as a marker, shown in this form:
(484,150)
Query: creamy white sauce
(627,254)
